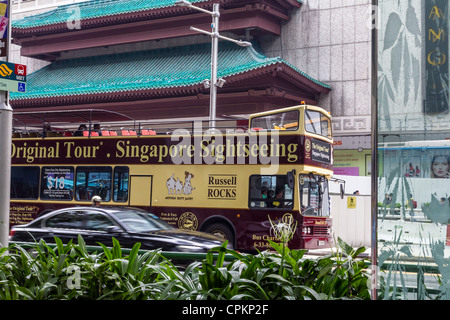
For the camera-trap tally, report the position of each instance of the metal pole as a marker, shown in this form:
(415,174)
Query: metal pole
(5,150)
(5,166)
(374,162)
(214,57)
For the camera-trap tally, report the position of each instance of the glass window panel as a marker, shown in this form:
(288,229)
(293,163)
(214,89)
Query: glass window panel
(92,181)
(66,220)
(25,182)
(121,180)
(316,122)
(271,192)
(278,121)
(413,150)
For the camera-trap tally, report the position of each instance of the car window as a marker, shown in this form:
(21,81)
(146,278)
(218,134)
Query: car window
(97,221)
(138,221)
(66,220)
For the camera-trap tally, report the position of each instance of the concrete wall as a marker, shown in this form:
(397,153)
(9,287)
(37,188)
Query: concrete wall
(330,40)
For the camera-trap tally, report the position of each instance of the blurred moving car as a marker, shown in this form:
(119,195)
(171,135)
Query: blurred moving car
(100,224)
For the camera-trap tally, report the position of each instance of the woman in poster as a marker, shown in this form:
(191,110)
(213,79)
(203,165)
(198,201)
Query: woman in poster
(440,167)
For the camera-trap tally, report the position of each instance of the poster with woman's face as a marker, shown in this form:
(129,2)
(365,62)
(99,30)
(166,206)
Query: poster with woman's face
(440,166)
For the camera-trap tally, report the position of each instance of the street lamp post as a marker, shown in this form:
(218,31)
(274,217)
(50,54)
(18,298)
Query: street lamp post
(215,36)
(6,117)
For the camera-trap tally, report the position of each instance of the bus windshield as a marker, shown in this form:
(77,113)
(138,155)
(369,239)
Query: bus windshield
(314,195)
(318,123)
(278,121)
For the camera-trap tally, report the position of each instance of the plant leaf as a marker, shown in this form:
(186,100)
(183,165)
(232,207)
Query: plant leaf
(392,30)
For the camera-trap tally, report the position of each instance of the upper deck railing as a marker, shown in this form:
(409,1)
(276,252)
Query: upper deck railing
(99,122)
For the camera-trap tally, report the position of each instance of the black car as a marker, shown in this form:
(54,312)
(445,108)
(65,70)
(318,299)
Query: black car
(100,224)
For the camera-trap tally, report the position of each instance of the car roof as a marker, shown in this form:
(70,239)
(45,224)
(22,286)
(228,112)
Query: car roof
(104,209)
(99,208)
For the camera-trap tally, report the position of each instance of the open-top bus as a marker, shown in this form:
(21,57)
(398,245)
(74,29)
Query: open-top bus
(231,182)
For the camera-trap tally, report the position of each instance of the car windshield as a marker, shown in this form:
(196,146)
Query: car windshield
(140,221)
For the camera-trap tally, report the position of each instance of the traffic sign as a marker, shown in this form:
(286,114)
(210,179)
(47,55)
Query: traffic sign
(13,77)
(351,202)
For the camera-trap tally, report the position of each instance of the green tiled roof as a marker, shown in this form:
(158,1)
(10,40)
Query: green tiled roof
(143,70)
(93,9)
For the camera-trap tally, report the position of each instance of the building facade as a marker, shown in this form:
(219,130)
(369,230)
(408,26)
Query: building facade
(327,43)
(413,149)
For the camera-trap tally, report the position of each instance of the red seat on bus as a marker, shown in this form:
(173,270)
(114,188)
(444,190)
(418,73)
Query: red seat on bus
(67,134)
(125,133)
(146,132)
(85,133)
(105,133)
(112,133)
(132,133)
(94,134)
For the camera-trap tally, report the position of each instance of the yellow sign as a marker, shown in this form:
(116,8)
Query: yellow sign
(351,202)
(3,7)
(5,71)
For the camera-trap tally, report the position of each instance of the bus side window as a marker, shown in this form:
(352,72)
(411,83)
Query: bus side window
(270,192)
(92,181)
(121,178)
(24,182)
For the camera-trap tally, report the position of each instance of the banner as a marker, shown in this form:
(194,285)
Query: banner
(436,55)
(4,17)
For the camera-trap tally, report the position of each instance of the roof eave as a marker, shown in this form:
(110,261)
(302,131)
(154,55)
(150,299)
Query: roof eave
(279,69)
(145,15)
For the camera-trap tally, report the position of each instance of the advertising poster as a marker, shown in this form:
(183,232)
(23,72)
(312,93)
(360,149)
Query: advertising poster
(58,182)
(4,18)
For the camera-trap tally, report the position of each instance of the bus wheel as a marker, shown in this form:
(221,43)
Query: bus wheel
(221,231)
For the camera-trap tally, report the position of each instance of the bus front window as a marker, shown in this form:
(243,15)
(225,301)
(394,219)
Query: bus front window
(287,120)
(314,195)
(318,123)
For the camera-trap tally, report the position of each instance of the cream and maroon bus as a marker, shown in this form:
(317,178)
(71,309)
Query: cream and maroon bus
(230,182)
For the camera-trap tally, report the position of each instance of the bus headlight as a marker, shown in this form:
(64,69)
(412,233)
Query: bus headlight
(306,230)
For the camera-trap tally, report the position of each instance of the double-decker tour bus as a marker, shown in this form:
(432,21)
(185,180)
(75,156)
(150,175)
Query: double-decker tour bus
(231,183)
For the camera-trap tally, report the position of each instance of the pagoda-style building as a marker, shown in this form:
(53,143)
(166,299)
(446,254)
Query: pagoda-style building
(141,59)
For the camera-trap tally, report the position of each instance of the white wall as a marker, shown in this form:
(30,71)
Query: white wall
(352,225)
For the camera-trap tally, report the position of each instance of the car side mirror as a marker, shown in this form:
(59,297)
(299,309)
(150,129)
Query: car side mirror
(291,179)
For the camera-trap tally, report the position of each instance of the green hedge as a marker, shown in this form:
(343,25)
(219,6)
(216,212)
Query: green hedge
(72,272)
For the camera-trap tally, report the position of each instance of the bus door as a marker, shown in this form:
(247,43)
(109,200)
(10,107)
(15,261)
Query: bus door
(140,191)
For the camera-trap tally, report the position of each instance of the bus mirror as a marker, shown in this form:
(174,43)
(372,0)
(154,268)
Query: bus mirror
(291,179)
(342,190)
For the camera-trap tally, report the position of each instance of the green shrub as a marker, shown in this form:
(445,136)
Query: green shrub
(71,272)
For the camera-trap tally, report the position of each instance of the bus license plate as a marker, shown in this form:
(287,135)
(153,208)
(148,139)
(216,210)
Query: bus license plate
(321,243)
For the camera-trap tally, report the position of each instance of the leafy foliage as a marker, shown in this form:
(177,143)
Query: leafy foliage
(71,271)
